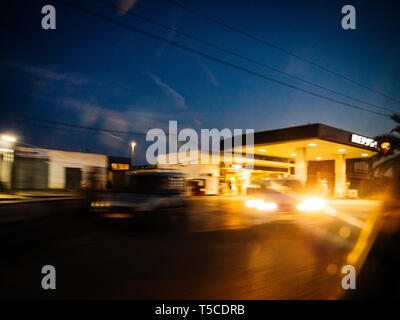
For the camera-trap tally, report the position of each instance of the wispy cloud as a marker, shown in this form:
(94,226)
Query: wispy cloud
(178,99)
(46,73)
(125,5)
(124,120)
(128,118)
(208,72)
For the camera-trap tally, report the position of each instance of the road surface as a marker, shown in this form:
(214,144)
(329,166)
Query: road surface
(219,251)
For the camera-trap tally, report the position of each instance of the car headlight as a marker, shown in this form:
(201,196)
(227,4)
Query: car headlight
(253,203)
(313,204)
(269,206)
(100,204)
(261,205)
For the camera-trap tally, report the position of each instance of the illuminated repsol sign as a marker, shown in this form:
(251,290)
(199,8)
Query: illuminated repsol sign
(355,138)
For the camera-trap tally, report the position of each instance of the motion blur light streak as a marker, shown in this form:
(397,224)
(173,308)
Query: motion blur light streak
(261,205)
(350,219)
(100,204)
(313,204)
(365,240)
(331,211)
(237,166)
(117,215)
(253,203)
(267,206)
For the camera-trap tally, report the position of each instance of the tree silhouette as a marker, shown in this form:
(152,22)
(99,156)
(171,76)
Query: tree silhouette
(390,162)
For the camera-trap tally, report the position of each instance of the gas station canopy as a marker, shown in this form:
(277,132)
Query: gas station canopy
(321,142)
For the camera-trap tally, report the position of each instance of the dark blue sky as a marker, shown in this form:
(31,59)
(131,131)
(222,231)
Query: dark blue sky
(93,73)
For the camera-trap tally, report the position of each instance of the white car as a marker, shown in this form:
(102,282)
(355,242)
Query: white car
(144,192)
(284,196)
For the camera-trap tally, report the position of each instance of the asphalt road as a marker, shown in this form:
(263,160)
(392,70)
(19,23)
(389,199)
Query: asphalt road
(218,251)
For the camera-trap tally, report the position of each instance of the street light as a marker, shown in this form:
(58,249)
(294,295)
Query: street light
(133,144)
(8,138)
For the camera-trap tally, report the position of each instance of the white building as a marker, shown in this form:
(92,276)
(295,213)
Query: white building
(36,168)
(203,176)
(6,159)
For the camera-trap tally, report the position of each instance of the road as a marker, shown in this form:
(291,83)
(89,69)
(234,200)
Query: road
(219,251)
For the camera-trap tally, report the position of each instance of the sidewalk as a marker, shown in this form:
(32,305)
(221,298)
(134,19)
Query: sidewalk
(46,193)
(29,194)
(10,197)
(18,208)
(356,202)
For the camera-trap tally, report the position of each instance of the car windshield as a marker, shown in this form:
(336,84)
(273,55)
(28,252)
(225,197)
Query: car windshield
(153,184)
(282,185)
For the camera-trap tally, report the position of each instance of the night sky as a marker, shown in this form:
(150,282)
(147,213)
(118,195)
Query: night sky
(93,73)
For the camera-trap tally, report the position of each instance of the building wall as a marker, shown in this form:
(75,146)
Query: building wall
(6,161)
(60,160)
(359,175)
(30,173)
(319,172)
(208,172)
(57,161)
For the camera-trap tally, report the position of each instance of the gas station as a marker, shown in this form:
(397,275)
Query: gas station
(332,161)
(318,155)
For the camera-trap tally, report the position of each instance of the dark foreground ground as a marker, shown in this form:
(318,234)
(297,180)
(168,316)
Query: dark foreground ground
(218,251)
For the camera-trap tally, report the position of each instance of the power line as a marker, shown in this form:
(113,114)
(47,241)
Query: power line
(228,26)
(213,45)
(209,57)
(75,126)
(59,127)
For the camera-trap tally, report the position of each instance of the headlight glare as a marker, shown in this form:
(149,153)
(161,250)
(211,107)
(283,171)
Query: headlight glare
(253,203)
(269,206)
(100,204)
(261,205)
(313,204)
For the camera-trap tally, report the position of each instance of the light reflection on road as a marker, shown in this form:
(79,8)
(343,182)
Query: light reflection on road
(220,251)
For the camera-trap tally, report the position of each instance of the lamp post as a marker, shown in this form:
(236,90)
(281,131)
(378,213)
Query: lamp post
(133,144)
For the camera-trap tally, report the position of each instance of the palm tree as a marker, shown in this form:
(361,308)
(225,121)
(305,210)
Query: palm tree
(391,161)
